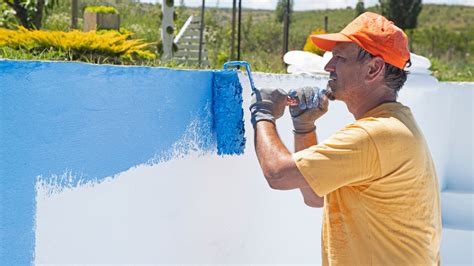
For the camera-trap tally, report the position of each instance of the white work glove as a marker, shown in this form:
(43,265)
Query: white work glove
(312,103)
(267,104)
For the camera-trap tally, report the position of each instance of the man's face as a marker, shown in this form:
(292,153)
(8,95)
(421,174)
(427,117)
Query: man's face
(345,72)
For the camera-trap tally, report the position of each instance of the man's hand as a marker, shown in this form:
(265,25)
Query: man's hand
(312,104)
(267,105)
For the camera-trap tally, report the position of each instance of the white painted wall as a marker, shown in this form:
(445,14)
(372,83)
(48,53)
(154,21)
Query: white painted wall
(209,209)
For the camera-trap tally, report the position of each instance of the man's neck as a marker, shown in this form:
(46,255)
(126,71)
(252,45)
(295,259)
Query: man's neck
(369,102)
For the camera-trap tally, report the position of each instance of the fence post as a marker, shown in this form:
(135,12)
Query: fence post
(167,29)
(238,29)
(201,32)
(232,44)
(286,28)
(326,24)
(74,11)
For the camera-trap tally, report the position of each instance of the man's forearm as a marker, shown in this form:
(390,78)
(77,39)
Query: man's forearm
(276,161)
(303,141)
(269,147)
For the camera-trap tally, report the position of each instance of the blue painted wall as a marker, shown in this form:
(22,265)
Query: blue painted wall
(91,120)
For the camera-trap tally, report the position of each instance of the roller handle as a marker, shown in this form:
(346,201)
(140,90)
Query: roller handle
(290,101)
(294,102)
(247,68)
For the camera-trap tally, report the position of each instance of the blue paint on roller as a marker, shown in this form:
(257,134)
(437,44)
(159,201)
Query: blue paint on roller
(228,113)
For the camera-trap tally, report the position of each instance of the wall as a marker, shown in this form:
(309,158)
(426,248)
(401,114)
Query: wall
(104,164)
(461,140)
(200,208)
(66,124)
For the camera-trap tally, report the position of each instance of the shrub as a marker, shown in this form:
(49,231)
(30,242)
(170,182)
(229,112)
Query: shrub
(444,43)
(101,9)
(61,21)
(449,71)
(310,46)
(7,16)
(104,47)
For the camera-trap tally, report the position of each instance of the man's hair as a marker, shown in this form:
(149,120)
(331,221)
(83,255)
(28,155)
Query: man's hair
(394,76)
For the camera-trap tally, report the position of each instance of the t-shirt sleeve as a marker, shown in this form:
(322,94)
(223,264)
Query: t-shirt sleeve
(347,158)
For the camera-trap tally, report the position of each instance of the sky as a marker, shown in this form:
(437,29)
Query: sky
(302,4)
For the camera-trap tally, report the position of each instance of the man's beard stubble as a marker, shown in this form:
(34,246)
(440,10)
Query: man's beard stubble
(329,93)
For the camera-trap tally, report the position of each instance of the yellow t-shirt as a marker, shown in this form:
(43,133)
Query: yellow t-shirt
(381,191)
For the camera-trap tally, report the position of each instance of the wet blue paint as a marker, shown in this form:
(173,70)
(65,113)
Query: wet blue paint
(228,113)
(94,121)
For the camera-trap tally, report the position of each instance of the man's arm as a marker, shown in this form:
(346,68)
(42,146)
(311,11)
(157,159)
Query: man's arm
(303,141)
(312,104)
(275,160)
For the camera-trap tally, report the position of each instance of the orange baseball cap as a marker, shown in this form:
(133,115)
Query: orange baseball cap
(373,32)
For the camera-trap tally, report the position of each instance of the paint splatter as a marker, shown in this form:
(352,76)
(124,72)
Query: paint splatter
(198,139)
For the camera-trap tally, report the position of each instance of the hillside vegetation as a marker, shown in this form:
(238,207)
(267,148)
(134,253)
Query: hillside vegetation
(445,34)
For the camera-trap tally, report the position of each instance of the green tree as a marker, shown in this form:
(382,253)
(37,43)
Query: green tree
(404,13)
(281,9)
(360,8)
(30,12)
(7,16)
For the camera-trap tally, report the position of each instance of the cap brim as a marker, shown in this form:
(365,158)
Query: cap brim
(328,41)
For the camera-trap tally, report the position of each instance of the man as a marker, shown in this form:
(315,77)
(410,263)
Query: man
(375,177)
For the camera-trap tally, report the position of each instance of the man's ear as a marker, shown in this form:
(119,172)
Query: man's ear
(376,69)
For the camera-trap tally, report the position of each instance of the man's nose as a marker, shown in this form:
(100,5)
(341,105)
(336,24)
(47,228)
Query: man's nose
(330,65)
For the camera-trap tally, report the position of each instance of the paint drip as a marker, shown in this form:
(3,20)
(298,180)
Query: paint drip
(228,113)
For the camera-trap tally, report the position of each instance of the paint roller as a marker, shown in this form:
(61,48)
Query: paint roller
(227,108)
(291,101)
(228,115)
